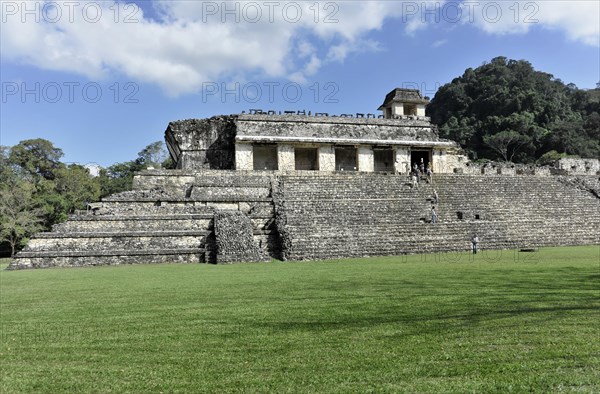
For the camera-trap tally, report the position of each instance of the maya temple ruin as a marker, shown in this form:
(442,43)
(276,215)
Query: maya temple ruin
(300,186)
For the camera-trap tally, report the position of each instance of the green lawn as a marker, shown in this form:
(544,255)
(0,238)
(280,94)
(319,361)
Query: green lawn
(502,322)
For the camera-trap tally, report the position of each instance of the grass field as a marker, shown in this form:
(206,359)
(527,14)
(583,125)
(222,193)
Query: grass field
(500,322)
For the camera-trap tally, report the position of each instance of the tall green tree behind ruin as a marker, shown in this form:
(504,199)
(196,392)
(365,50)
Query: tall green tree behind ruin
(38,190)
(507,110)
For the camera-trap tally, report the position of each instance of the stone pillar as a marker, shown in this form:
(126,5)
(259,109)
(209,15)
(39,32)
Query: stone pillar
(402,164)
(244,158)
(326,158)
(439,162)
(286,158)
(420,110)
(397,109)
(366,159)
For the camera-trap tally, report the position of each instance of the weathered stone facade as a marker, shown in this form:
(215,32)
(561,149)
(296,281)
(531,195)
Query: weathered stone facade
(298,187)
(202,143)
(234,236)
(314,215)
(578,166)
(289,142)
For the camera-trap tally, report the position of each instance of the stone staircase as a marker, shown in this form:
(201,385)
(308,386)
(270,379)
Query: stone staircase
(372,215)
(153,224)
(170,217)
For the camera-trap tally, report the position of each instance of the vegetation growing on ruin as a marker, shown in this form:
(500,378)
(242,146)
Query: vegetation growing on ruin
(495,322)
(507,110)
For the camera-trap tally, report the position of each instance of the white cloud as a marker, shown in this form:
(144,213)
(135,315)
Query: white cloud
(580,20)
(305,49)
(313,65)
(337,53)
(190,42)
(439,43)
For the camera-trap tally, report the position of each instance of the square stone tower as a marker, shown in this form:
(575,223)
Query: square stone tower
(403,102)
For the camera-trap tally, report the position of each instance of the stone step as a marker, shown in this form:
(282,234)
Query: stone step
(356,217)
(110,257)
(347,251)
(206,197)
(165,217)
(119,224)
(107,241)
(245,194)
(135,208)
(96,234)
(240,181)
(438,230)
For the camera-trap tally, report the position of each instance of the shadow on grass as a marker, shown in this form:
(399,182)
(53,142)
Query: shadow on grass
(441,323)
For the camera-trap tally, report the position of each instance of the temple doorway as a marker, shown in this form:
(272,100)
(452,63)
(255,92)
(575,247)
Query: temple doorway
(346,158)
(265,157)
(384,159)
(307,159)
(420,156)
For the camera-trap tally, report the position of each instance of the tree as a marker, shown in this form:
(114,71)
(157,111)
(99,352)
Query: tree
(37,157)
(551,157)
(153,155)
(506,143)
(75,184)
(119,177)
(19,217)
(7,172)
(507,96)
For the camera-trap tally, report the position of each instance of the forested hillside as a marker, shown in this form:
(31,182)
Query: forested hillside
(506,110)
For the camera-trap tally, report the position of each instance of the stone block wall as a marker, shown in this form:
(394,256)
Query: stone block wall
(366,160)
(326,158)
(234,238)
(285,157)
(574,166)
(567,166)
(407,128)
(202,143)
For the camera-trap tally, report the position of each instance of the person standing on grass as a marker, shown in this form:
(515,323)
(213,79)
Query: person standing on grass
(433,216)
(475,241)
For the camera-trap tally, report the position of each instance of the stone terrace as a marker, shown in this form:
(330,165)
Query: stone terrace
(170,216)
(370,215)
(155,225)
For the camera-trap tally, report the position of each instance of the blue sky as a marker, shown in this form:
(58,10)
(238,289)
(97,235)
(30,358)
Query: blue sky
(102,79)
